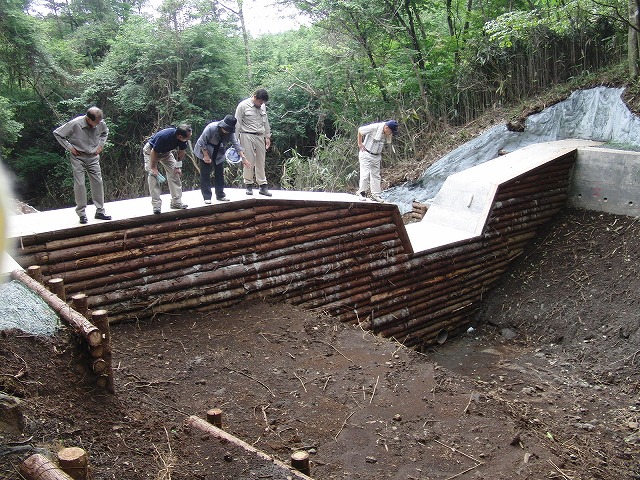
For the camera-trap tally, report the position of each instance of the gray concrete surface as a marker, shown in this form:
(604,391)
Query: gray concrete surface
(606,180)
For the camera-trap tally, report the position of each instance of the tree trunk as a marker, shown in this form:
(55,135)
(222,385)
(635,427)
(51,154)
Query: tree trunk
(633,39)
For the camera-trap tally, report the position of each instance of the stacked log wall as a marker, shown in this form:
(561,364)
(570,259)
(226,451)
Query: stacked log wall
(351,260)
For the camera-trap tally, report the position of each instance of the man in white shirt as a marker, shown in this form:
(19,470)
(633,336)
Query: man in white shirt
(371,140)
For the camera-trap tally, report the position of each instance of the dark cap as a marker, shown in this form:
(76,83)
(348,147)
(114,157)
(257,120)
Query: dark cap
(228,123)
(393,125)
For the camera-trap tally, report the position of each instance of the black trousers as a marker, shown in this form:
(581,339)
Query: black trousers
(205,178)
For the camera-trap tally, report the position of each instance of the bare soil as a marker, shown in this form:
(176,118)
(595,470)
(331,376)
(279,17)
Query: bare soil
(544,385)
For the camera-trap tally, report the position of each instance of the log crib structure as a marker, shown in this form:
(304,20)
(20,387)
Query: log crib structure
(353,259)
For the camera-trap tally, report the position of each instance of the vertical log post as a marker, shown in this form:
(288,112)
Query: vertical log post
(214,417)
(74,462)
(39,467)
(56,285)
(300,461)
(101,320)
(35,272)
(80,303)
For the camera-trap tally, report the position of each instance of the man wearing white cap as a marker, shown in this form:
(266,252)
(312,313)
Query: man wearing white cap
(371,140)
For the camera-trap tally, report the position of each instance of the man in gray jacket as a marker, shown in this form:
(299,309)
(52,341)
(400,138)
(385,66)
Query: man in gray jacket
(210,148)
(84,138)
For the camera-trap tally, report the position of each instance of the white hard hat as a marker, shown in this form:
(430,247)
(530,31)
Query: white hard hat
(232,156)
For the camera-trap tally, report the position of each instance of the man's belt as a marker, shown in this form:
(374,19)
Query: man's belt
(254,133)
(370,152)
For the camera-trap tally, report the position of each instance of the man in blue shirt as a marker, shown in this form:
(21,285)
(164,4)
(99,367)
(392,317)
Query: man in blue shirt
(159,149)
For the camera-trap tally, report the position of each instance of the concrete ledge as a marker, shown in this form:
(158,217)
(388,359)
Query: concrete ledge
(606,180)
(460,209)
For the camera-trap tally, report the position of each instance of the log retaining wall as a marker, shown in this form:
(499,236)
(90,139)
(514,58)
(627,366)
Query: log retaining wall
(353,260)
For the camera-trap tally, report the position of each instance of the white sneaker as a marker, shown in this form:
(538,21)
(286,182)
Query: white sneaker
(361,195)
(377,198)
(207,202)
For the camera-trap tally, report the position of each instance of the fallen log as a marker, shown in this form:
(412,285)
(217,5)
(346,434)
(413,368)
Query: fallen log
(39,467)
(207,428)
(79,323)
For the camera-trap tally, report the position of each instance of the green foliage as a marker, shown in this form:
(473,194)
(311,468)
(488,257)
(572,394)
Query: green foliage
(362,61)
(47,173)
(9,128)
(334,167)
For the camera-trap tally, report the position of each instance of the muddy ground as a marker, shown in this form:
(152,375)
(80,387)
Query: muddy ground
(544,386)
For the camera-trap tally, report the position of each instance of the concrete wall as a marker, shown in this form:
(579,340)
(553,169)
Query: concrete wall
(606,180)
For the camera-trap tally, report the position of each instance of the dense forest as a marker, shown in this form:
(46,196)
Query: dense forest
(427,63)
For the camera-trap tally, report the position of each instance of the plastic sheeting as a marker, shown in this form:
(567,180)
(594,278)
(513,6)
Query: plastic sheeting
(596,114)
(22,309)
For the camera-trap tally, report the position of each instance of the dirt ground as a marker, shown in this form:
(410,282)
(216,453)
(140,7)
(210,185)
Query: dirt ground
(545,385)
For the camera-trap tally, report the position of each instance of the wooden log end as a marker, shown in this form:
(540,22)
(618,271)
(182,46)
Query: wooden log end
(300,461)
(214,416)
(74,462)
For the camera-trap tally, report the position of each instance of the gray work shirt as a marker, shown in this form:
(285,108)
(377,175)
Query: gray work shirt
(252,119)
(78,134)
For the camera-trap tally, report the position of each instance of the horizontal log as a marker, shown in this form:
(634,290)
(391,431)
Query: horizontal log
(173,269)
(301,282)
(345,228)
(101,272)
(220,299)
(432,284)
(79,323)
(148,250)
(174,217)
(407,311)
(319,276)
(188,286)
(139,242)
(549,196)
(288,219)
(367,236)
(399,284)
(430,335)
(266,240)
(120,283)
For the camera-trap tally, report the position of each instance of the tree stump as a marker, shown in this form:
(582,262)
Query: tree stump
(214,416)
(300,461)
(74,462)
